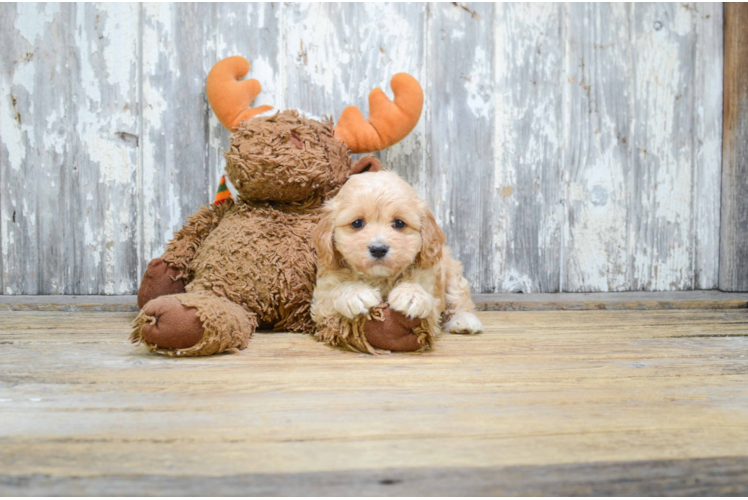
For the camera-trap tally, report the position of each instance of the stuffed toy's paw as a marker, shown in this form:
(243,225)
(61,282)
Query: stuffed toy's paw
(193,324)
(159,279)
(173,326)
(394,332)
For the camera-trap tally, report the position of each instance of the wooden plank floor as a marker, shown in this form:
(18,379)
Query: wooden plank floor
(691,299)
(544,402)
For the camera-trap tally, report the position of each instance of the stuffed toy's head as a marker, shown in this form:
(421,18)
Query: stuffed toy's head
(286,157)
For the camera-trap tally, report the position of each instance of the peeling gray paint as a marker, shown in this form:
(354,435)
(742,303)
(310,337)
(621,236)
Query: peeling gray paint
(572,147)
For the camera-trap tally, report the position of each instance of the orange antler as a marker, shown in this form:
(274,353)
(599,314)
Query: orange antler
(229,97)
(389,121)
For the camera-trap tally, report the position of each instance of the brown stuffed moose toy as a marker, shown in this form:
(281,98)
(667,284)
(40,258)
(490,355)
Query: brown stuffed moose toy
(247,263)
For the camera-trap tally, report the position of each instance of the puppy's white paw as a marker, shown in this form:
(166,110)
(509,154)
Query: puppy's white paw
(464,323)
(411,300)
(357,300)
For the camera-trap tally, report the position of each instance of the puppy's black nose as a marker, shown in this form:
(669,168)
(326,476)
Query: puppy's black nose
(378,251)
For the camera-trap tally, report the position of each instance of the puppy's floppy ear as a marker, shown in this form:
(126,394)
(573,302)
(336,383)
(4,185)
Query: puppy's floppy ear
(322,239)
(433,240)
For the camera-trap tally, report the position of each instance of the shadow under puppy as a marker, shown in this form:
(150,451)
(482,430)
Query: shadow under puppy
(385,279)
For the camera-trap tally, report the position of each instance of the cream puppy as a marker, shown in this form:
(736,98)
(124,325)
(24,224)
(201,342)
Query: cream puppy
(378,242)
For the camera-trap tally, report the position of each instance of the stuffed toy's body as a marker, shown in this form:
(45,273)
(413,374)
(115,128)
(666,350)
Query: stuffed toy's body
(249,262)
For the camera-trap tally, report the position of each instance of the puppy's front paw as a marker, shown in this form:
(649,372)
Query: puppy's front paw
(411,300)
(464,323)
(357,300)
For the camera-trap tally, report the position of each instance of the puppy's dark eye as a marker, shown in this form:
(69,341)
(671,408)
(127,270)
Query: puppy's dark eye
(357,224)
(398,224)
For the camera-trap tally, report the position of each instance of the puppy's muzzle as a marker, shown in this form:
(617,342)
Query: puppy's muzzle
(378,251)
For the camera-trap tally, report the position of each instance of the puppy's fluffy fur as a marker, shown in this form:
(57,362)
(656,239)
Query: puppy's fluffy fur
(417,277)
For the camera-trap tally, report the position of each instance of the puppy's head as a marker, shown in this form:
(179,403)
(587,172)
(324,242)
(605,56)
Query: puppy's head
(377,226)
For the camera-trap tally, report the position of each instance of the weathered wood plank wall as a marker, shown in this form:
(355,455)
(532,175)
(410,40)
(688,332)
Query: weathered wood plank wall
(733,270)
(563,147)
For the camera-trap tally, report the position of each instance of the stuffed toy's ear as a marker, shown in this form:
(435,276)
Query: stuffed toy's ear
(228,96)
(389,121)
(365,164)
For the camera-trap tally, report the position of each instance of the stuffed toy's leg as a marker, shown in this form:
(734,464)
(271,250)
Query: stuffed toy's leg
(193,324)
(381,331)
(166,275)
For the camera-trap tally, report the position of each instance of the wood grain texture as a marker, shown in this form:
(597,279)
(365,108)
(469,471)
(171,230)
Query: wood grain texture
(733,259)
(528,162)
(563,147)
(597,253)
(175,177)
(643,183)
(707,143)
(69,159)
(182,140)
(699,299)
(104,165)
(725,476)
(79,406)
(460,94)
(334,55)
(612,301)
(661,154)
(18,215)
